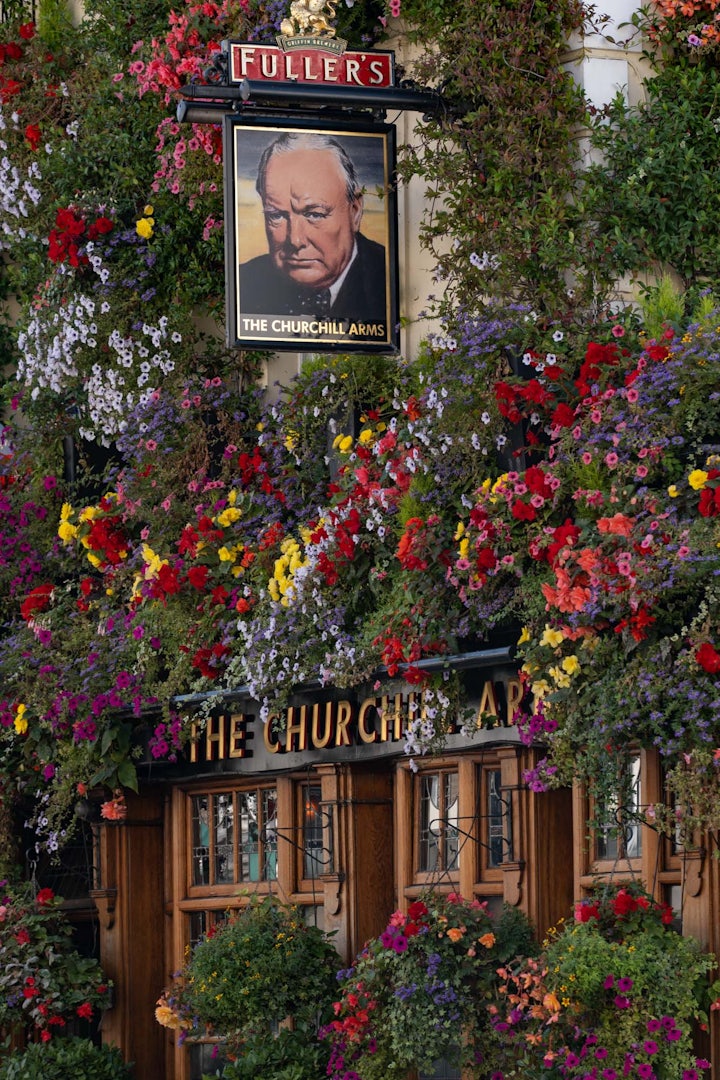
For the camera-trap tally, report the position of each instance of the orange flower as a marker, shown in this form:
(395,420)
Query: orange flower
(455,933)
(487,941)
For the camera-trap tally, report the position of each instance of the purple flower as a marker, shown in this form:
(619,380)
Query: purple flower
(674,1034)
(624,985)
(400,943)
(650,1046)
(645,1072)
(609,982)
(694,40)
(653,1025)
(622,1002)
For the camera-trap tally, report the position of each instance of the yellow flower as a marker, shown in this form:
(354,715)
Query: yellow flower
(464,547)
(697,479)
(524,636)
(20,721)
(144,227)
(228,516)
(551,637)
(673,491)
(67,532)
(226,554)
(540,688)
(365,436)
(559,677)
(571,664)
(460,531)
(291,440)
(345,444)
(148,211)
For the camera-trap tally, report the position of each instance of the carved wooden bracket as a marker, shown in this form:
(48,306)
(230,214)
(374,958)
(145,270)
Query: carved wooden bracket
(512,881)
(693,864)
(105,901)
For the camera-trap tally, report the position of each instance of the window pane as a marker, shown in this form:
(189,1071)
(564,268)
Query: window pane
(620,837)
(314,857)
(200,841)
(495,818)
(249,836)
(429,822)
(452,852)
(269,833)
(224,837)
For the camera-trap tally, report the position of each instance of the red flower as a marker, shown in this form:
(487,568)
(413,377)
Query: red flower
(563,416)
(27,31)
(45,896)
(205,660)
(197,576)
(85,1010)
(99,227)
(624,903)
(22,937)
(37,600)
(45,1036)
(709,505)
(417,911)
(586,911)
(523,511)
(708,658)
(32,134)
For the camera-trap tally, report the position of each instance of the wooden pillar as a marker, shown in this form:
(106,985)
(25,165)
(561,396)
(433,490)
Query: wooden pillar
(544,830)
(129,898)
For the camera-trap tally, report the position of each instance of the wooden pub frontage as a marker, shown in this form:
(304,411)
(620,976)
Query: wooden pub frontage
(328,811)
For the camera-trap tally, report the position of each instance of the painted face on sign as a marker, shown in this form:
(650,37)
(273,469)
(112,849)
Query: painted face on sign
(309,220)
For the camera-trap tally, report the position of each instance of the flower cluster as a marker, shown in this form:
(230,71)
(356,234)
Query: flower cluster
(602,1001)
(415,994)
(44,982)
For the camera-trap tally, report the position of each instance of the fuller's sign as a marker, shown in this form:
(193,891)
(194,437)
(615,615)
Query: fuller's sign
(324,61)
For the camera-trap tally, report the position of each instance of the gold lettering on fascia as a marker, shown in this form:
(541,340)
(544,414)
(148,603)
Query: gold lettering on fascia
(329,725)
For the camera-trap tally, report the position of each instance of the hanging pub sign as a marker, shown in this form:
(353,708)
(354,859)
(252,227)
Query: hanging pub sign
(311,227)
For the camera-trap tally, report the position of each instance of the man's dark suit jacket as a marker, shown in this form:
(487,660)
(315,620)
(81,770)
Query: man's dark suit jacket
(266,291)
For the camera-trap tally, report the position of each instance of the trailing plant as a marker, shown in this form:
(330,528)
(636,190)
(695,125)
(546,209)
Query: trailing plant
(505,140)
(44,982)
(616,992)
(419,991)
(261,967)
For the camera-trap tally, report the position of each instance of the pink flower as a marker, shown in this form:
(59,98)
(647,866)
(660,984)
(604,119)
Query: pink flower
(618,331)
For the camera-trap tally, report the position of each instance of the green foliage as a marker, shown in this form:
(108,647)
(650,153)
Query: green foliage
(655,194)
(290,1055)
(663,306)
(500,163)
(254,971)
(63,1059)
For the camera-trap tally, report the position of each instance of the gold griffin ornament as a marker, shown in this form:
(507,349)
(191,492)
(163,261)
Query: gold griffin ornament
(309,17)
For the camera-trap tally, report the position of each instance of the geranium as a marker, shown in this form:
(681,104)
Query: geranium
(44,982)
